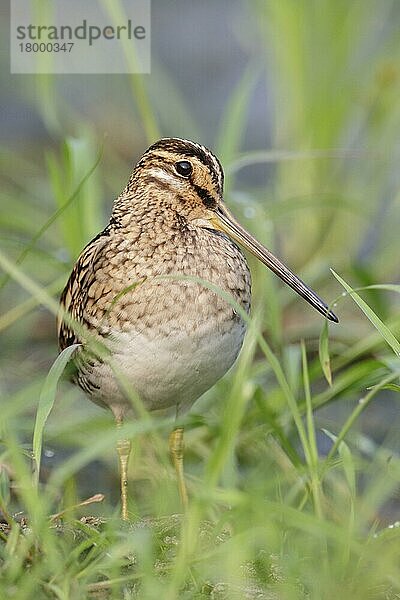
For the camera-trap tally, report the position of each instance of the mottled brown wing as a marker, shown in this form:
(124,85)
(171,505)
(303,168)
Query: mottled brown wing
(74,296)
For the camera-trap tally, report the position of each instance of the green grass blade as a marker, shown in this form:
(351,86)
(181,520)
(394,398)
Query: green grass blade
(369,313)
(362,404)
(309,408)
(32,243)
(29,284)
(291,400)
(137,81)
(234,119)
(75,188)
(234,411)
(19,311)
(312,440)
(393,387)
(323,350)
(349,468)
(46,402)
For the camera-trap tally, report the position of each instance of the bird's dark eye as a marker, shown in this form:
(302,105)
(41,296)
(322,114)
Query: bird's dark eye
(184,168)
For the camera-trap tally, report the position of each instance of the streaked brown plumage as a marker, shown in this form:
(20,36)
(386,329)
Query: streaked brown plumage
(139,287)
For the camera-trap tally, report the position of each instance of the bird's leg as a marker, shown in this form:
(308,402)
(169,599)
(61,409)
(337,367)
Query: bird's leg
(176,449)
(124,450)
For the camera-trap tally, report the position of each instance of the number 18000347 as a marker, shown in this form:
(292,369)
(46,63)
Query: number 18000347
(46,47)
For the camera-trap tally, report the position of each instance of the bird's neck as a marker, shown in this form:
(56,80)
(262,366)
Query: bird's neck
(148,217)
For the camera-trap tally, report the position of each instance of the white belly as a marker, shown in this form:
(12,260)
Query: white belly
(168,371)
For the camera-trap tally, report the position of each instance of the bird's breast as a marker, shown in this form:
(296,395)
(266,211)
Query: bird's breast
(175,328)
(178,368)
(187,283)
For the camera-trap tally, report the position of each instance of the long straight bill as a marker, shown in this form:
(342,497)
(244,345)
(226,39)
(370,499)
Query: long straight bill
(226,222)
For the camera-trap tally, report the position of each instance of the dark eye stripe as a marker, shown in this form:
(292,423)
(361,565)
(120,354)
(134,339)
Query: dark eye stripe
(206,198)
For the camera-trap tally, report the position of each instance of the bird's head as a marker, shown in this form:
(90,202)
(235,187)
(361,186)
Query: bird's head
(189,180)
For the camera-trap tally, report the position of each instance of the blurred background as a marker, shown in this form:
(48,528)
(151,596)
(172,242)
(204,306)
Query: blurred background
(299,99)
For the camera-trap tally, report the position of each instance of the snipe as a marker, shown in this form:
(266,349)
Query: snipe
(137,286)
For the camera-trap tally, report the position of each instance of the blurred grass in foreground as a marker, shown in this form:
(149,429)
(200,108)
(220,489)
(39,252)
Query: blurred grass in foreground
(286,501)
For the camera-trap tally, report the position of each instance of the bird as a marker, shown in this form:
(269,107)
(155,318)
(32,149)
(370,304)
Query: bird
(147,288)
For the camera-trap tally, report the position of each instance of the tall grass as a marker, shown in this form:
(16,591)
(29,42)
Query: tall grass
(293,475)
